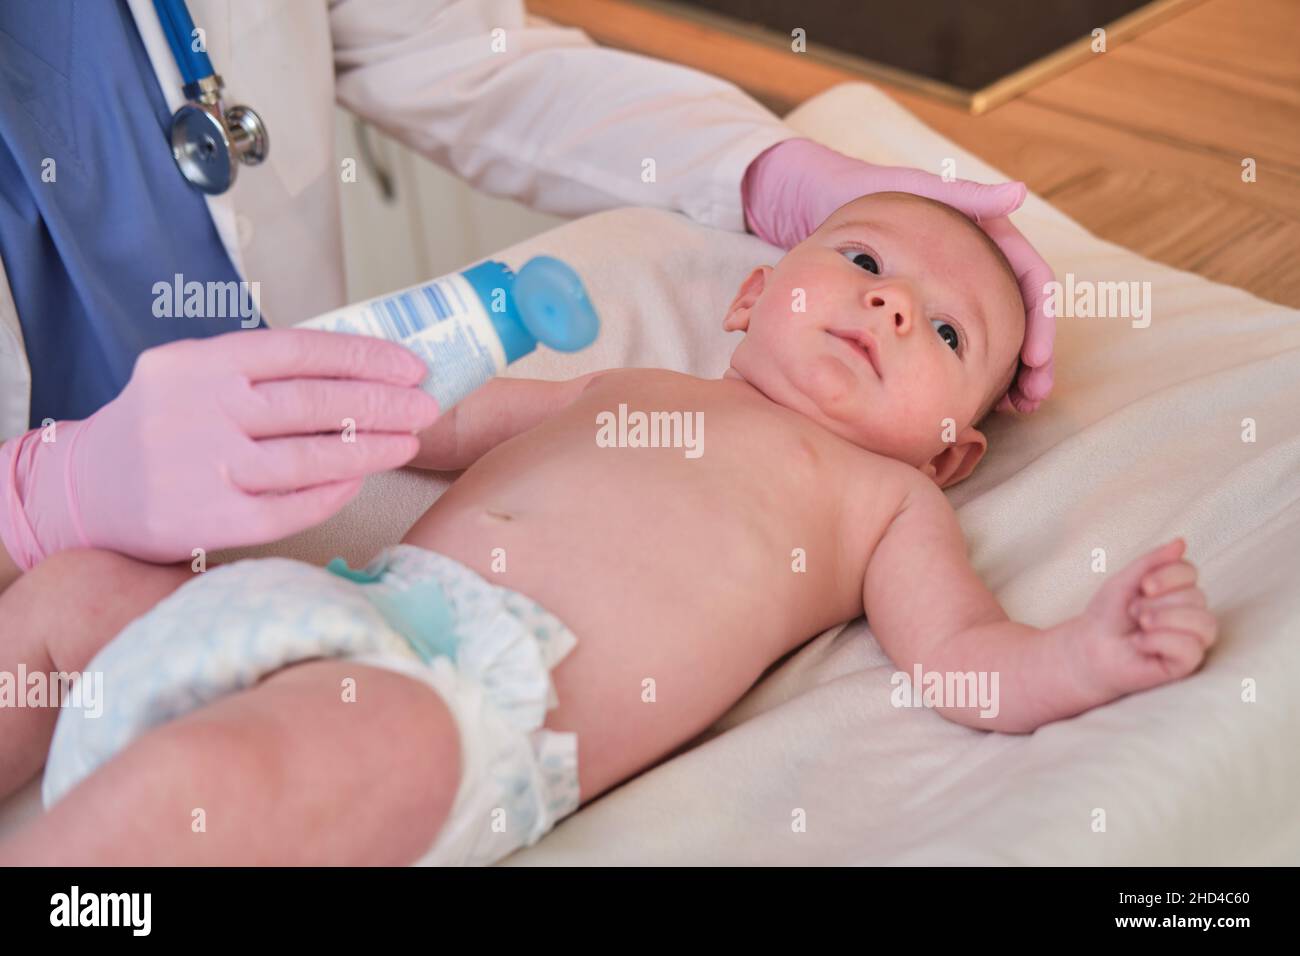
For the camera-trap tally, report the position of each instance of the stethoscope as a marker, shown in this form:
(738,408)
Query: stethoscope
(208,140)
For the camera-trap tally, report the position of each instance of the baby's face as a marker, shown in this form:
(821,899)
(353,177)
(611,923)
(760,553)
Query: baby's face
(895,315)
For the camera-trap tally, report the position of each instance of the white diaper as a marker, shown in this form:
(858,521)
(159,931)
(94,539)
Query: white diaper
(486,650)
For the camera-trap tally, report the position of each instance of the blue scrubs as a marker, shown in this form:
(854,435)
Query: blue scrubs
(83,252)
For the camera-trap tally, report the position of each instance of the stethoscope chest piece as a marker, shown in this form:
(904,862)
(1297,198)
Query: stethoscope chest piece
(209,142)
(209,147)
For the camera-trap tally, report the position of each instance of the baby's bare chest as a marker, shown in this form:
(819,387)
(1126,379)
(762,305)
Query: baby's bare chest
(677,503)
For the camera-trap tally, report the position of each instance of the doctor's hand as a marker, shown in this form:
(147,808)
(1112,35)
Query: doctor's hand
(791,188)
(224,442)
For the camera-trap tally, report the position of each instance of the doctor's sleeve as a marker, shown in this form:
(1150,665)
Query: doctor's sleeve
(539,114)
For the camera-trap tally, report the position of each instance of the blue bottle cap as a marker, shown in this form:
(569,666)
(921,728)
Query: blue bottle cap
(554,306)
(493,283)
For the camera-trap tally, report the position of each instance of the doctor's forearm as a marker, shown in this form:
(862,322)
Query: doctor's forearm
(550,119)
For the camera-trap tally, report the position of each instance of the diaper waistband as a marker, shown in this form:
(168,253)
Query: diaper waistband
(444,608)
(415,606)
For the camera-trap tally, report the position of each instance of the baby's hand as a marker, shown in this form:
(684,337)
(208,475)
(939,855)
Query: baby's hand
(1146,626)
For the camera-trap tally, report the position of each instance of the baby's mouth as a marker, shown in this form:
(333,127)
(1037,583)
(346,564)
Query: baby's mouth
(863,344)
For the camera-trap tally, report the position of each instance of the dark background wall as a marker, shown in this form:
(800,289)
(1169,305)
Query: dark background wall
(965,44)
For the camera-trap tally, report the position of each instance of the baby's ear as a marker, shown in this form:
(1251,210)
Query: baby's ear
(958,459)
(737,317)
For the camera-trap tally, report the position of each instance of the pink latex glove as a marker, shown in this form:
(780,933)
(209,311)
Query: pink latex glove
(790,189)
(223,442)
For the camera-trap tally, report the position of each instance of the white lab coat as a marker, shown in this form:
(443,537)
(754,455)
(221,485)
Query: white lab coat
(553,121)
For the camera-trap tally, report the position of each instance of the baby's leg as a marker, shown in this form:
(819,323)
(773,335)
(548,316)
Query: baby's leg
(56,618)
(289,772)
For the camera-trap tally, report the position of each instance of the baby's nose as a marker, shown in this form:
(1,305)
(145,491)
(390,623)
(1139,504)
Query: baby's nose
(896,304)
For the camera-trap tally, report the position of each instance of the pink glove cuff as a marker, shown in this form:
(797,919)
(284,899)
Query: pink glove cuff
(39,516)
(16,532)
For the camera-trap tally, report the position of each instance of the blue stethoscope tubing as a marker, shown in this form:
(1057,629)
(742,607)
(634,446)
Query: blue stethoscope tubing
(179,27)
(209,141)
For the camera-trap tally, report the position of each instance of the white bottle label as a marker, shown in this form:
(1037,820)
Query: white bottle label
(442,321)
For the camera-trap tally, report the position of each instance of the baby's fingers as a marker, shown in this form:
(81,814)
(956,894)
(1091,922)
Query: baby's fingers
(1168,577)
(1129,581)
(1195,621)
(1183,596)
(1194,597)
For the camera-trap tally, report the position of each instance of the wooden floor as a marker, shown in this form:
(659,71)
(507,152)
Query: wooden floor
(1142,144)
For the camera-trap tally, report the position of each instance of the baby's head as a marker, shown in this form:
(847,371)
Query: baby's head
(897,313)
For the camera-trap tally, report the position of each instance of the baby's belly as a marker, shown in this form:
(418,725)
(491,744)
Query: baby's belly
(674,621)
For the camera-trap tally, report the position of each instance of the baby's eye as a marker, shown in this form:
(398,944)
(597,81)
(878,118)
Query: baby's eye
(863,259)
(947,333)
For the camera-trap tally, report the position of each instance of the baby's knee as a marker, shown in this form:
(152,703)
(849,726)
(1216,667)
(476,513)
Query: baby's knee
(46,591)
(83,573)
(75,601)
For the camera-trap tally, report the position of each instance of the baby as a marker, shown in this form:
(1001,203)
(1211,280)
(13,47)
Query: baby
(581,610)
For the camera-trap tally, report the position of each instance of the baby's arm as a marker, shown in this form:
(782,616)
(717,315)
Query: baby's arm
(1147,624)
(495,413)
